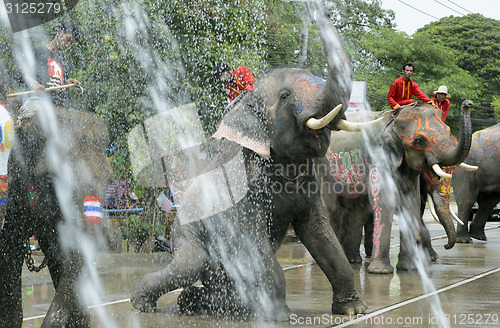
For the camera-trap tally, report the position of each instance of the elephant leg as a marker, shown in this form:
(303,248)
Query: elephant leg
(190,260)
(218,296)
(411,227)
(463,229)
(486,205)
(465,198)
(318,237)
(66,308)
(352,241)
(368,238)
(11,263)
(383,211)
(65,267)
(425,241)
(336,214)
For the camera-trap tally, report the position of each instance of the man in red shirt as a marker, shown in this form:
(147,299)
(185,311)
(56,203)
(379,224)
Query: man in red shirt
(403,89)
(236,81)
(440,100)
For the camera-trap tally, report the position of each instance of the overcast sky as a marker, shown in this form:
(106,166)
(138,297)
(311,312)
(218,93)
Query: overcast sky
(410,19)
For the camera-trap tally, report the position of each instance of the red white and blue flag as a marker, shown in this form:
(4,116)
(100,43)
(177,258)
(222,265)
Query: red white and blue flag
(92,209)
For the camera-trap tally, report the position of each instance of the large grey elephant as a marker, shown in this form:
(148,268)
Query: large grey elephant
(414,141)
(481,186)
(282,125)
(40,164)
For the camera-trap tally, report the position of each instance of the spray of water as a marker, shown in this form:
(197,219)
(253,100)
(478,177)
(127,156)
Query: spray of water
(213,189)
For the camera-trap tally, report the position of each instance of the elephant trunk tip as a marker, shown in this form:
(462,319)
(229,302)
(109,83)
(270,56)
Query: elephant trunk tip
(449,245)
(467,104)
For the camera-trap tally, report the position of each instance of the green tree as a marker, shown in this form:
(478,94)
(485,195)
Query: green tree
(139,58)
(475,40)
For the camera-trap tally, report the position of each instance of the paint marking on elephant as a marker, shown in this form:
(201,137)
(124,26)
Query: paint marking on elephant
(348,170)
(487,150)
(317,81)
(377,215)
(426,131)
(483,136)
(30,195)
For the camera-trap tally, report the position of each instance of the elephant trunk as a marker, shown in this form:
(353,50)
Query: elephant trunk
(445,217)
(339,81)
(460,152)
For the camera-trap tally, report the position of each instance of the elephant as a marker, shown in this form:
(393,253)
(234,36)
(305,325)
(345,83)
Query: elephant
(481,186)
(282,125)
(57,172)
(414,141)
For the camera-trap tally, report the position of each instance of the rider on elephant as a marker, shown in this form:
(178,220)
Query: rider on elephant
(403,89)
(440,100)
(50,70)
(236,81)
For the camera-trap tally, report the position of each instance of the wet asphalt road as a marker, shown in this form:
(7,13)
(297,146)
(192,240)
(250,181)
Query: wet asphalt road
(464,292)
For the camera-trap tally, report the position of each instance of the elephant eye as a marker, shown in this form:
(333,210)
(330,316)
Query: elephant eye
(284,94)
(420,142)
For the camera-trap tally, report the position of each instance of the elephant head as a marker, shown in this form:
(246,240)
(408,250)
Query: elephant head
(420,137)
(291,111)
(426,142)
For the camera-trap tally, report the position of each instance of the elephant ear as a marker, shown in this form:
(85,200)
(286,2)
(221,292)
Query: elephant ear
(391,144)
(244,122)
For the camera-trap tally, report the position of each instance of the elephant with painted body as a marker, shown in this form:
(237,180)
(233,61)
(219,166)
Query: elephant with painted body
(282,126)
(414,141)
(51,172)
(481,186)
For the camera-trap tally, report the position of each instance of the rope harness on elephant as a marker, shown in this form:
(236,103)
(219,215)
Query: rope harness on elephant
(30,263)
(293,179)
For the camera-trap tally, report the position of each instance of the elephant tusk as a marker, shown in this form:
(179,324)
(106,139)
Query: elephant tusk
(439,171)
(357,127)
(456,217)
(316,124)
(467,167)
(432,208)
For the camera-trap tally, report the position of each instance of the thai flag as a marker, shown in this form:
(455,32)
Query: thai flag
(92,209)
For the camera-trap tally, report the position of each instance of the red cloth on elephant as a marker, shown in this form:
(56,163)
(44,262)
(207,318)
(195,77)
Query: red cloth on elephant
(444,107)
(244,81)
(401,92)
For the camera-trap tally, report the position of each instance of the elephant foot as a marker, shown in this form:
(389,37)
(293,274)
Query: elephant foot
(143,301)
(354,258)
(193,301)
(464,238)
(406,265)
(349,305)
(432,254)
(478,234)
(380,267)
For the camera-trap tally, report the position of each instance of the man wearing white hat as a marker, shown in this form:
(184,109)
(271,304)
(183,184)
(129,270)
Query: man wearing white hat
(440,100)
